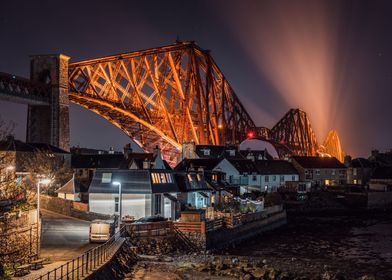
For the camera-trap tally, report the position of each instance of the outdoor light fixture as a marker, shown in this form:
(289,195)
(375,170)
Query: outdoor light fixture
(43,181)
(117,183)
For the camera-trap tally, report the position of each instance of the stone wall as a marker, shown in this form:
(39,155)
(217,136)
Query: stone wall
(65,207)
(224,237)
(381,200)
(19,236)
(120,264)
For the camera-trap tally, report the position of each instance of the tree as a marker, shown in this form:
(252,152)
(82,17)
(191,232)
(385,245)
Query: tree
(47,165)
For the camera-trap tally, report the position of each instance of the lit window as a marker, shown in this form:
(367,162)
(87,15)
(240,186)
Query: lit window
(163,178)
(355,181)
(327,182)
(169,178)
(106,177)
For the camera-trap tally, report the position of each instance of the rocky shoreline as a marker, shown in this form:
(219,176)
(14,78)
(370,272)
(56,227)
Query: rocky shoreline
(227,267)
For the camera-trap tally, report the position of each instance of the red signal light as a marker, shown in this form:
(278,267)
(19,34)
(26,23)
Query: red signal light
(251,134)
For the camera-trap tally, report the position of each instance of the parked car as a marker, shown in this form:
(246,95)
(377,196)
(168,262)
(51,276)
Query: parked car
(101,230)
(150,219)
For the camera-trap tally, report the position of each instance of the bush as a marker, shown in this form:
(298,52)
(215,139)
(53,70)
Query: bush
(272,199)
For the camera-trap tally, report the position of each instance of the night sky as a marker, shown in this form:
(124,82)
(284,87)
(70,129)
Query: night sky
(329,58)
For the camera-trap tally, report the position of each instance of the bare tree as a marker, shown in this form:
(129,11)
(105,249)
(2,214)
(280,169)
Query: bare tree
(48,165)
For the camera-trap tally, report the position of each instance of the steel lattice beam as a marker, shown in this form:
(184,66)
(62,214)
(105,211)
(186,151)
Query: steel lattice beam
(165,96)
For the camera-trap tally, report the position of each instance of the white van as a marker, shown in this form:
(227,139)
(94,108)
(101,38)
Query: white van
(101,230)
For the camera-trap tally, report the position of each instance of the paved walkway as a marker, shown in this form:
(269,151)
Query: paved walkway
(34,274)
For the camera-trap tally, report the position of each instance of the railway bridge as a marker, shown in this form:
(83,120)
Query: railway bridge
(161,96)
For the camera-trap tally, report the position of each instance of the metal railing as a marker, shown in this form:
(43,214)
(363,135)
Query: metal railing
(83,265)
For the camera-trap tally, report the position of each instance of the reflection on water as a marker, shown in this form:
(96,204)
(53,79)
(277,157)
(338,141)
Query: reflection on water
(353,245)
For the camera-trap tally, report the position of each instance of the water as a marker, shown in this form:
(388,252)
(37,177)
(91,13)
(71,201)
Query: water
(354,245)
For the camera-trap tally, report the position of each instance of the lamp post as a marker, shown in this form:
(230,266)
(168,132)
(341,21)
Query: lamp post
(43,181)
(117,183)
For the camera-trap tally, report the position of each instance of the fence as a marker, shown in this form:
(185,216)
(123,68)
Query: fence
(149,229)
(80,267)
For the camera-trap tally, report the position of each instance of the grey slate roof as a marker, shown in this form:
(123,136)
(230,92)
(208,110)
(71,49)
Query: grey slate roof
(319,162)
(279,167)
(132,182)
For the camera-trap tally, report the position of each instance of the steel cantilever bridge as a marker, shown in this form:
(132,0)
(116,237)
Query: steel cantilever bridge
(162,96)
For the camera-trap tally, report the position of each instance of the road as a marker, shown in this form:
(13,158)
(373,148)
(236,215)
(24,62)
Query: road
(63,237)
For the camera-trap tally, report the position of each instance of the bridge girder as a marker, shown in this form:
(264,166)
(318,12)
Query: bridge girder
(176,92)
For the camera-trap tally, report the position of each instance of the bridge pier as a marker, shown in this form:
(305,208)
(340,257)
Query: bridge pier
(50,124)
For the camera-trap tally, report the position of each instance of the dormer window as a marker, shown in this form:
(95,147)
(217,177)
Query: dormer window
(232,153)
(106,177)
(206,152)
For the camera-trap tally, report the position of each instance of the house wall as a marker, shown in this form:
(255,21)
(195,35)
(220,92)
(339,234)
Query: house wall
(275,181)
(137,205)
(68,196)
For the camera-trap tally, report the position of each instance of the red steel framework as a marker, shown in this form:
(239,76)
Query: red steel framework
(163,96)
(170,95)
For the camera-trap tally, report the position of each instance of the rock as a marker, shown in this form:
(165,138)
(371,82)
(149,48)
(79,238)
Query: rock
(367,277)
(327,276)
(247,277)
(259,273)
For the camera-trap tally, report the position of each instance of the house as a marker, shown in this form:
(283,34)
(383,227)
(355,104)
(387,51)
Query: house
(73,190)
(320,171)
(359,170)
(13,155)
(275,174)
(256,155)
(381,159)
(195,192)
(145,192)
(85,164)
(381,179)
(192,151)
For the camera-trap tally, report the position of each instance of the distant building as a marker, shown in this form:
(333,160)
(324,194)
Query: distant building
(381,159)
(381,179)
(256,155)
(73,190)
(15,152)
(359,171)
(275,174)
(320,171)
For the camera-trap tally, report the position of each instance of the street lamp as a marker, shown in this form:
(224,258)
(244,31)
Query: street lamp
(117,183)
(44,181)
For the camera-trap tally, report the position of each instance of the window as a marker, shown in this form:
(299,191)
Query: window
(282,178)
(116,205)
(355,172)
(274,178)
(169,178)
(355,181)
(254,178)
(266,178)
(333,172)
(206,152)
(293,178)
(163,178)
(317,171)
(106,177)
(157,204)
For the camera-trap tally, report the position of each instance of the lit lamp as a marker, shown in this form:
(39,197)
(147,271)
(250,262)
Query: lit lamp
(117,183)
(44,181)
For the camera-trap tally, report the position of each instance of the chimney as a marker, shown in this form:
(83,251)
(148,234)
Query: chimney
(127,150)
(146,164)
(347,161)
(157,152)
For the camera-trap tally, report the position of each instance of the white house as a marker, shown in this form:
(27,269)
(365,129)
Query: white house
(275,173)
(145,192)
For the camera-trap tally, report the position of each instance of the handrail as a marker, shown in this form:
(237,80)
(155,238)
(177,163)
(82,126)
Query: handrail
(90,260)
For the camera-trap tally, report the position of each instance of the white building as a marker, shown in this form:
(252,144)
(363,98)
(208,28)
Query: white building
(144,193)
(275,173)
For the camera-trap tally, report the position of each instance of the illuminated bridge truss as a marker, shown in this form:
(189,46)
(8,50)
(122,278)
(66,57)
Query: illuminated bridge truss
(170,95)
(163,96)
